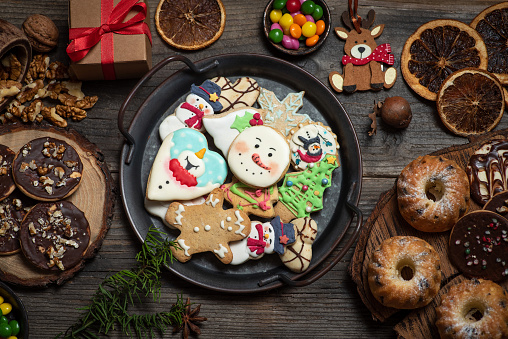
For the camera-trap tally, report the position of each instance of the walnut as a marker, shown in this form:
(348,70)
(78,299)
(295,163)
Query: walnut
(23,167)
(3,171)
(42,170)
(31,228)
(33,110)
(70,100)
(38,68)
(29,91)
(76,114)
(75,175)
(49,113)
(9,88)
(70,164)
(41,31)
(57,71)
(15,67)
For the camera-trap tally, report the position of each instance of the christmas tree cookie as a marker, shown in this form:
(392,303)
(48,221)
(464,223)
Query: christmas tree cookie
(302,192)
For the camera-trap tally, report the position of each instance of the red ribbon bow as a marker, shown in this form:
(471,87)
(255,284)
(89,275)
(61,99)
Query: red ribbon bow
(83,39)
(381,54)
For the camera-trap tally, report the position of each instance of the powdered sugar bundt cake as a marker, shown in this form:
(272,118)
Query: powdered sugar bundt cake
(432,193)
(404,272)
(474,308)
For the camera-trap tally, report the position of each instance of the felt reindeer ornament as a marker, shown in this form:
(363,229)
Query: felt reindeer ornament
(364,59)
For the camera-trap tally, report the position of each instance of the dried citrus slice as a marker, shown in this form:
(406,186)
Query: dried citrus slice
(492,24)
(471,101)
(436,50)
(190,24)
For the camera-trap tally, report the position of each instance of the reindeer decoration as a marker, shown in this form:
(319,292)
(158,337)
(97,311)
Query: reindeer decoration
(363,62)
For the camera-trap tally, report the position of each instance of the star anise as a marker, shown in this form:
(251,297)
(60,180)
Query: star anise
(190,320)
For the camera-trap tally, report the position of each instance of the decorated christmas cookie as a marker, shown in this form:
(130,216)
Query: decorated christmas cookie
(298,255)
(207,227)
(309,143)
(282,114)
(259,156)
(302,192)
(159,208)
(225,127)
(239,94)
(264,238)
(256,201)
(185,168)
(203,100)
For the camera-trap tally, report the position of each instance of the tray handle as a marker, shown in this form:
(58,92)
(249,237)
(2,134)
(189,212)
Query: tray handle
(318,274)
(128,138)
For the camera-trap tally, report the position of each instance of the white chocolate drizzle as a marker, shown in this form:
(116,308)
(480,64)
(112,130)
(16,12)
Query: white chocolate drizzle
(186,248)
(179,216)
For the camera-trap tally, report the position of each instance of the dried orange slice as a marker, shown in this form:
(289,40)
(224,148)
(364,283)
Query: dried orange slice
(492,24)
(436,50)
(471,101)
(190,24)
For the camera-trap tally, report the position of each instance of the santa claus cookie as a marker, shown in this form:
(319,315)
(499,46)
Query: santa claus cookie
(310,142)
(239,94)
(225,127)
(264,238)
(256,201)
(207,228)
(282,115)
(203,100)
(184,168)
(259,156)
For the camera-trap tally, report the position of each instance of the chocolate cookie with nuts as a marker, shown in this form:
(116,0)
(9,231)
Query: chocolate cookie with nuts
(6,181)
(47,169)
(12,211)
(54,235)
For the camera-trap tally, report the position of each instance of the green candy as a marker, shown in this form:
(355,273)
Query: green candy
(5,330)
(279,4)
(3,319)
(317,13)
(276,35)
(14,327)
(308,7)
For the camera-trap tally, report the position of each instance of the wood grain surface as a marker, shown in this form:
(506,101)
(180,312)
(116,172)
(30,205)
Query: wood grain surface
(329,308)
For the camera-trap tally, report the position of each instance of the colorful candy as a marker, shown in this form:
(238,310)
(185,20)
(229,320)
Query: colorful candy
(294,21)
(8,328)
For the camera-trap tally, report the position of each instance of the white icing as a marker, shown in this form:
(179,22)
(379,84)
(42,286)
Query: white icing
(179,216)
(228,218)
(212,201)
(196,229)
(259,156)
(208,228)
(186,248)
(222,224)
(238,222)
(241,252)
(230,228)
(221,252)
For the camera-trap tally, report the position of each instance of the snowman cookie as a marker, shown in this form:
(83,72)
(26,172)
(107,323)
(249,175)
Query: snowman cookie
(264,238)
(259,156)
(225,127)
(207,228)
(184,168)
(310,142)
(202,101)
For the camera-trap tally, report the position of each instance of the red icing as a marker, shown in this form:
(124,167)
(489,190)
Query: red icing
(309,158)
(196,121)
(257,245)
(181,174)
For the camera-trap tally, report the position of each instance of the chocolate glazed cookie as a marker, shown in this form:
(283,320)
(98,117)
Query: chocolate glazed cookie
(6,181)
(54,235)
(47,169)
(12,211)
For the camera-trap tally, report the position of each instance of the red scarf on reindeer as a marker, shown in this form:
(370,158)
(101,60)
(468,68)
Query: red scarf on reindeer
(381,54)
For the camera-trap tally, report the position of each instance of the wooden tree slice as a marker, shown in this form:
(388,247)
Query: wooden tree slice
(94,197)
(386,221)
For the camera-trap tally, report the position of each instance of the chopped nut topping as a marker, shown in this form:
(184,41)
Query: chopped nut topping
(75,175)
(42,170)
(23,167)
(59,172)
(70,163)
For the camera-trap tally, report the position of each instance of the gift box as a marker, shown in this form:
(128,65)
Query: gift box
(109,39)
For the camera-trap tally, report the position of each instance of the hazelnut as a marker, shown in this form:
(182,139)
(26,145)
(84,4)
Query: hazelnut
(42,32)
(395,112)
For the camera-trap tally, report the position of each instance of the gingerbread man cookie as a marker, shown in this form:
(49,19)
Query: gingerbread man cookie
(207,227)
(282,114)
(298,255)
(256,201)
(310,142)
(302,192)
(239,94)
(184,168)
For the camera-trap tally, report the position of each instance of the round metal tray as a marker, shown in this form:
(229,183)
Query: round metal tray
(282,77)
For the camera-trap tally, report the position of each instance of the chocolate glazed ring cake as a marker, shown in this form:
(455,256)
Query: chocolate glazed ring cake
(12,210)
(487,170)
(47,169)
(54,235)
(6,181)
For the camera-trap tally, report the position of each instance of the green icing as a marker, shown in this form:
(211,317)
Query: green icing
(234,189)
(241,123)
(293,196)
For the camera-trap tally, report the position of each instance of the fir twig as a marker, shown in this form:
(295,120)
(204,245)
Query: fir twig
(109,305)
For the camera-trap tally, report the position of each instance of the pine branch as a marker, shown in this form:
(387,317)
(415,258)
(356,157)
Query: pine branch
(109,305)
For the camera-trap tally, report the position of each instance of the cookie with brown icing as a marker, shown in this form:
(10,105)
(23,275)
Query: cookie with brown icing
(6,182)
(47,169)
(478,245)
(12,210)
(54,235)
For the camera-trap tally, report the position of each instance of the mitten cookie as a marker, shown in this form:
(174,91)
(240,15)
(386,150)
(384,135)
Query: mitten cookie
(298,255)
(256,201)
(207,227)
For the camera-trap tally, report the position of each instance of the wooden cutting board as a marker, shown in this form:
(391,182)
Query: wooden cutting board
(385,222)
(94,197)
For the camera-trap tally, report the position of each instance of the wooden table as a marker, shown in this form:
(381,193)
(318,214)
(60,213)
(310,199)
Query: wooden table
(330,307)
